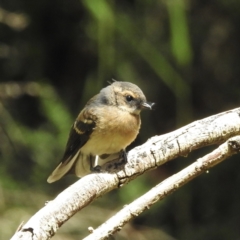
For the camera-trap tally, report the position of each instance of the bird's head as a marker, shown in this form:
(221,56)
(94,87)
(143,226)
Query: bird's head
(126,96)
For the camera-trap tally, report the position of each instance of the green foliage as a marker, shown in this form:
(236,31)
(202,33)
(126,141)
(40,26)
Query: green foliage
(180,39)
(44,144)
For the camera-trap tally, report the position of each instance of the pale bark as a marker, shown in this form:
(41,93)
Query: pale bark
(156,151)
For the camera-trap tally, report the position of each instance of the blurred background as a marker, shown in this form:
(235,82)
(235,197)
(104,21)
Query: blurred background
(55,55)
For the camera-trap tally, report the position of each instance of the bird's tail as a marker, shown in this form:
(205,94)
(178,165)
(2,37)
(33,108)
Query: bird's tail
(80,165)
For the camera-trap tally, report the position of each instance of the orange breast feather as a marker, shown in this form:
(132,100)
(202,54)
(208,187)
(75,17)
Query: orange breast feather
(115,130)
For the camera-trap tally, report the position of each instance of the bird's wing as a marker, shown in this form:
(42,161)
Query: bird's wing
(78,136)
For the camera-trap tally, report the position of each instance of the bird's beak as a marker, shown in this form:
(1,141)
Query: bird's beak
(147,105)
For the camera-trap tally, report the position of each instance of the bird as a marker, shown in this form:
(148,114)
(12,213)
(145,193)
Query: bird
(109,122)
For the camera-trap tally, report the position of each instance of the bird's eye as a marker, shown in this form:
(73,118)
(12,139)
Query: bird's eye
(129,98)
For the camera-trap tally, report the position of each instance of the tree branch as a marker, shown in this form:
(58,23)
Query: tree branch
(165,188)
(156,151)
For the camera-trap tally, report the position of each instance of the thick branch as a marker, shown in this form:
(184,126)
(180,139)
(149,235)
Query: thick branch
(153,153)
(165,188)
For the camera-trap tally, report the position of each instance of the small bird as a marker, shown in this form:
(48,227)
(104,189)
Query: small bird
(109,122)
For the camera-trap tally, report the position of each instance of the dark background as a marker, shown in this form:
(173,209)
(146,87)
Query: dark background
(55,55)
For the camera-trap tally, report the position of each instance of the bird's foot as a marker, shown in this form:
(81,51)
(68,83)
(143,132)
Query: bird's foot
(96,169)
(123,156)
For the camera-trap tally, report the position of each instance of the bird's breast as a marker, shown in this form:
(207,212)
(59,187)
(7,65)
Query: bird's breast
(115,130)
